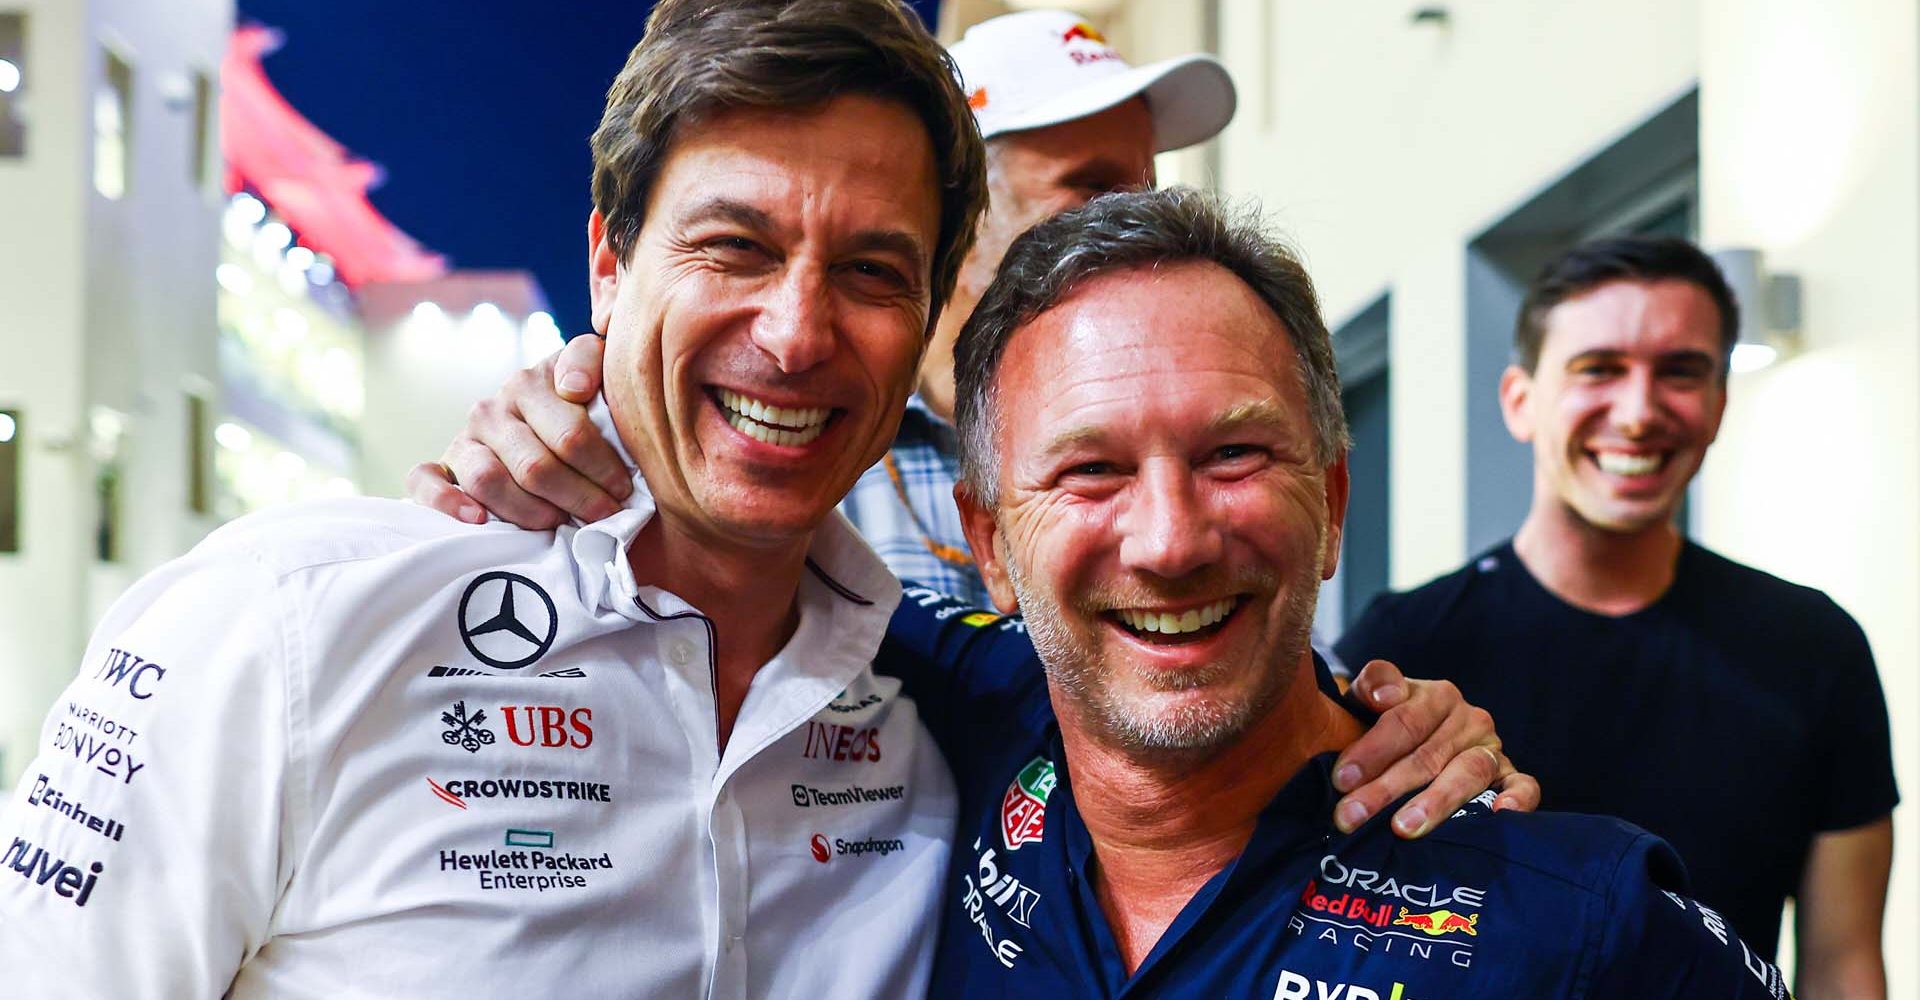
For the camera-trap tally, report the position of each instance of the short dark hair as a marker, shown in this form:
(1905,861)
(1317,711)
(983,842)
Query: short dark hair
(1127,230)
(699,58)
(1621,258)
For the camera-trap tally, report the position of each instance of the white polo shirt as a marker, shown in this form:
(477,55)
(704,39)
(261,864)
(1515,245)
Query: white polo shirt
(358,749)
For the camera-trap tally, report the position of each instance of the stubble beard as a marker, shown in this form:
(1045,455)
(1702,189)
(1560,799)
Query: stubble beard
(1081,671)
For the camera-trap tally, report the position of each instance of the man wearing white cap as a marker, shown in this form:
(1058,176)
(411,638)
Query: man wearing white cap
(1065,118)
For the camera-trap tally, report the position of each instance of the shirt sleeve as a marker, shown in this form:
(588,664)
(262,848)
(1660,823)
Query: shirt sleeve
(1856,767)
(959,663)
(1657,942)
(144,846)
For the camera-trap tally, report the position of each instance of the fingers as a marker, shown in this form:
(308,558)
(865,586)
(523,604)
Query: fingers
(490,482)
(1465,777)
(576,372)
(1380,686)
(430,484)
(1431,737)
(591,480)
(1410,745)
(536,437)
(1518,791)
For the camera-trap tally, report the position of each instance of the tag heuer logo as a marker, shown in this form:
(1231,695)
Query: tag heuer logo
(1023,812)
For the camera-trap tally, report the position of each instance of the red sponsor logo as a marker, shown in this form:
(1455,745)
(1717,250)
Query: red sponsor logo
(827,741)
(822,851)
(549,726)
(1349,905)
(1023,810)
(445,796)
(1086,31)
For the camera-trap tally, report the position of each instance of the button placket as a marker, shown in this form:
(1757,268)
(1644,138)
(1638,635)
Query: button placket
(727,825)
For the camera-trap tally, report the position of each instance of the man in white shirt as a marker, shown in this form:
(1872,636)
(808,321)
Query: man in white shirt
(359,749)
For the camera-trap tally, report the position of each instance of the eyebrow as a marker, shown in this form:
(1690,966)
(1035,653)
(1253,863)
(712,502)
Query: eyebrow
(1262,413)
(1258,413)
(891,241)
(1668,357)
(1070,439)
(727,210)
(723,209)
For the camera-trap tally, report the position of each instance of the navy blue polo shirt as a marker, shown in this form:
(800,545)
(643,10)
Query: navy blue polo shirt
(1488,905)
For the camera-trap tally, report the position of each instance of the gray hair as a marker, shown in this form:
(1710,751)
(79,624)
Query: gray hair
(1128,230)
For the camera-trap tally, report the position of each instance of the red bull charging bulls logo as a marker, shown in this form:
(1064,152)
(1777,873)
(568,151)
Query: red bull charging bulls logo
(1439,922)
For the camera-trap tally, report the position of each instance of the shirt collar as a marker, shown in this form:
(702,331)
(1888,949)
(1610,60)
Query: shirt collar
(1302,808)
(839,561)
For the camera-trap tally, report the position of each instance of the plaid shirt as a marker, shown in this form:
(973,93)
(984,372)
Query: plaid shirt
(904,507)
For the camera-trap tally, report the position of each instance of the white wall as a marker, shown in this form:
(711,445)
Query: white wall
(41,269)
(1816,475)
(100,302)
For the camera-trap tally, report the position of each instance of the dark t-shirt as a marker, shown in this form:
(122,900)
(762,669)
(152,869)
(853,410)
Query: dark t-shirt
(1736,717)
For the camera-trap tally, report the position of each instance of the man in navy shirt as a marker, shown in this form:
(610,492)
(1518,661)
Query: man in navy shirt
(1599,611)
(1154,473)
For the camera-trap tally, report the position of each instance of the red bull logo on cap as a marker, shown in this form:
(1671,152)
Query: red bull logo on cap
(1094,46)
(1086,31)
(1439,922)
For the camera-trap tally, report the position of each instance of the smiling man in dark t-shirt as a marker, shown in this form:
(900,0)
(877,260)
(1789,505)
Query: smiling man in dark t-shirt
(1638,674)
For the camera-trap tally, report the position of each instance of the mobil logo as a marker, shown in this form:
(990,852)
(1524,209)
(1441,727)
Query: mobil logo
(549,726)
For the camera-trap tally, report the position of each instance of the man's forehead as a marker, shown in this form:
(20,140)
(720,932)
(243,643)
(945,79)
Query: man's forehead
(1122,134)
(1634,316)
(778,166)
(1190,334)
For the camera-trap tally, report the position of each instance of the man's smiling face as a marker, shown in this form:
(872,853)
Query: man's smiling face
(1162,520)
(763,333)
(1625,399)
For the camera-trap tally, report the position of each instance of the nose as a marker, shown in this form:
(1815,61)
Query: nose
(1168,529)
(1635,409)
(795,326)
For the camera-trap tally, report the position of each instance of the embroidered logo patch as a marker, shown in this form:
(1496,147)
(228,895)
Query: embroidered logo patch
(1023,811)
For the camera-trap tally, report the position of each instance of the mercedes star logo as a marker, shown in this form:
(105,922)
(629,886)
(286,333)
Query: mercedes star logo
(500,632)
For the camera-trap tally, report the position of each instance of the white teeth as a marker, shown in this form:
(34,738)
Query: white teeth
(1168,623)
(773,424)
(1620,464)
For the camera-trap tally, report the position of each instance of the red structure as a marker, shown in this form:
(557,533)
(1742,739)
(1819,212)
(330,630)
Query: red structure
(308,178)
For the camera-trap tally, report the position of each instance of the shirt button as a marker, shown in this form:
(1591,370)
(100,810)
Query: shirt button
(681,652)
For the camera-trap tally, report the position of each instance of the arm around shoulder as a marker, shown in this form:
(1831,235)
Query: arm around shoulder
(148,841)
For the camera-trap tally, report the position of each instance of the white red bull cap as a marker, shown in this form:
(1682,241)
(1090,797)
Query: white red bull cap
(1043,67)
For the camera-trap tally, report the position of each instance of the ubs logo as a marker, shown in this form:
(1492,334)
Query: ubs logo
(547,726)
(502,623)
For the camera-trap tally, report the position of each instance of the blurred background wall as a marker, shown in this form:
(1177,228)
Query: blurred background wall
(182,337)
